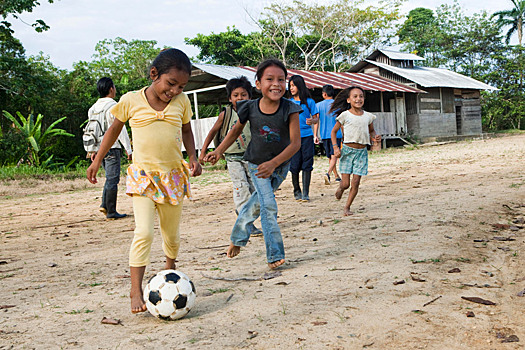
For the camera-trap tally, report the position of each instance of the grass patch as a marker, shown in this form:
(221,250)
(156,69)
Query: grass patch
(436,260)
(218,290)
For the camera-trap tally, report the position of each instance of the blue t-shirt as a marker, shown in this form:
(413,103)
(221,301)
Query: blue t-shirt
(327,120)
(308,112)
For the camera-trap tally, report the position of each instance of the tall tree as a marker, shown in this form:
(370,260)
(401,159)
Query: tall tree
(229,48)
(513,18)
(420,32)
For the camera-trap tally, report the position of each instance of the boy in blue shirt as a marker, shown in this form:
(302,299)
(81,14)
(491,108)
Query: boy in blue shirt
(324,128)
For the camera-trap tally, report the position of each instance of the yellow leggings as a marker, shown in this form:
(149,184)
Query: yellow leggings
(169,218)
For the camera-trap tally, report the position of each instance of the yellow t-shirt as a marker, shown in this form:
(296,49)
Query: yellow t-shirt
(158,170)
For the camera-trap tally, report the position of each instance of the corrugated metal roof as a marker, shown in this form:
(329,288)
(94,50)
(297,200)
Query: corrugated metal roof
(225,72)
(369,82)
(435,77)
(396,55)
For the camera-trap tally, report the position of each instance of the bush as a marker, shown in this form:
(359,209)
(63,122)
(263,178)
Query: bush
(12,148)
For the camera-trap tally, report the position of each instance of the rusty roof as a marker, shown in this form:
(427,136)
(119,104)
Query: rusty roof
(340,80)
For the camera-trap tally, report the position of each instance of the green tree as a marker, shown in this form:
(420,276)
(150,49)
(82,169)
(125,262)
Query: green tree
(513,18)
(420,33)
(231,48)
(335,34)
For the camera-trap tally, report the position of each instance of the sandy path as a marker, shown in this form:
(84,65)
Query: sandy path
(420,213)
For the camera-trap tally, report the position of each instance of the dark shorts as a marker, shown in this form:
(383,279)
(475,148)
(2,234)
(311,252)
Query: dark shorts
(304,158)
(329,148)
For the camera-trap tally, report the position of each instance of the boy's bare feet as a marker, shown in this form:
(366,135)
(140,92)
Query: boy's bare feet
(276,264)
(233,251)
(137,302)
(348,212)
(339,193)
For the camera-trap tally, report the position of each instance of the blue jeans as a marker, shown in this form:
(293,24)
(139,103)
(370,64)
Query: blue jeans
(262,201)
(111,164)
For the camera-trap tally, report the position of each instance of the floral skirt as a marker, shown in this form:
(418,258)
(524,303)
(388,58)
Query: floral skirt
(161,187)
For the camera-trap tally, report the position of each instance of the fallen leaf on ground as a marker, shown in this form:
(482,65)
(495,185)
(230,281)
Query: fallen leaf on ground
(112,321)
(454,270)
(2,307)
(479,300)
(501,226)
(504,239)
(319,323)
(273,274)
(416,277)
(470,314)
(511,339)
(399,282)
(521,294)
(252,334)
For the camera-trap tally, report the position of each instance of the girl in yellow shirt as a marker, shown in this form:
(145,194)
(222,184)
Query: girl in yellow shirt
(158,179)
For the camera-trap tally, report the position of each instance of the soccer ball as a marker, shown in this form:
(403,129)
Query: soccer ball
(169,295)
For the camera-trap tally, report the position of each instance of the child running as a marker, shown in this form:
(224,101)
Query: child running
(238,89)
(358,130)
(324,130)
(304,158)
(158,179)
(274,126)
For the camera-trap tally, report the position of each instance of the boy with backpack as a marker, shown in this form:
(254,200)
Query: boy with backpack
(99,120)
(238,89)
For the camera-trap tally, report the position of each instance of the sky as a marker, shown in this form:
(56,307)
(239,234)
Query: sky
(78,25)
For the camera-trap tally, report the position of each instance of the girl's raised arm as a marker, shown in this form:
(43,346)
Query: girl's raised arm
(109,139)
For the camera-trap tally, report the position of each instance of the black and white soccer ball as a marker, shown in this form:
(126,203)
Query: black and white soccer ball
(169,295)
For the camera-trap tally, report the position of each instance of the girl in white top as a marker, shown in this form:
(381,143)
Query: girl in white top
(358,131)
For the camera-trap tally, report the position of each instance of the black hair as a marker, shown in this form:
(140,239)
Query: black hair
(340,103)
(171,58)
(303,91)
(329,90)
(104,85)
(269,63)
(240,82)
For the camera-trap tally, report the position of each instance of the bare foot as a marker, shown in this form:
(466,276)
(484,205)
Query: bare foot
(276,264)
(348,212)
(339,193)
(137,303)
(233,251)
(170,264)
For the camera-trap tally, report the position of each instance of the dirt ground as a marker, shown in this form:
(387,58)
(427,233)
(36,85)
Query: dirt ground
(433,224)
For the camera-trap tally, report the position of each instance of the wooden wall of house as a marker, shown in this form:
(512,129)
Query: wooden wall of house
(436,114)
(468,105)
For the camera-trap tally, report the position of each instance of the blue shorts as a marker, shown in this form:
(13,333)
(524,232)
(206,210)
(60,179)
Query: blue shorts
(329,147)
(353,161)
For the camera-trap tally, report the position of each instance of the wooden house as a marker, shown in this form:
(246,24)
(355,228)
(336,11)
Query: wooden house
(450,107)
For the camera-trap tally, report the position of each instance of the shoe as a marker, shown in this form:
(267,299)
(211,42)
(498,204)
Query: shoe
(297,193)
(307,175)
(338,179)
(256,233)
(111,205)
(326,179)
